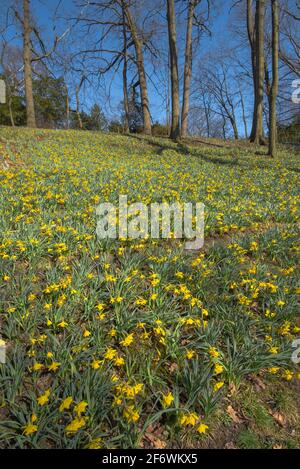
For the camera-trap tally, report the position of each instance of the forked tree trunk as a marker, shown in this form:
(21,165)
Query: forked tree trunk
(27,65)
(187,70)
(175,125)
(258,133)
(141,69)
(274,85)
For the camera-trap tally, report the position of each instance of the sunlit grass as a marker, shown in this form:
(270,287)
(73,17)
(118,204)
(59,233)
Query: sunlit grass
(107,339)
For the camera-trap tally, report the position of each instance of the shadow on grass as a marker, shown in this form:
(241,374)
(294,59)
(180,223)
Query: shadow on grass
(184,149)
(231,159)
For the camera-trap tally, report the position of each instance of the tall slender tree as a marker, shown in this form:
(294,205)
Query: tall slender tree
(251,37)
(78,88)
(31,122)
(187,69)
(257,134)
(275,79)
(175,121)
(138,44)
(125,85)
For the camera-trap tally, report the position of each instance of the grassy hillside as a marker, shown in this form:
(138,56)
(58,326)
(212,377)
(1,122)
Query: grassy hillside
(139,343)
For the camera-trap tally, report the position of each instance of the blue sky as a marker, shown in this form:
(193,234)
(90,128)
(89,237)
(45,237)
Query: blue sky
(46,10)
(43,11)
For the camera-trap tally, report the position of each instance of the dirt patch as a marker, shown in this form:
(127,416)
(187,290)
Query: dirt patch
(6,162)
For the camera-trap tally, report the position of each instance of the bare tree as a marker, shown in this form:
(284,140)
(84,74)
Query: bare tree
(251,37)
(225,98)
(274,85)
(218,96)
(200,22)
(244,117)
(11,60)
(125,85)
(30,31)
(257,134)
(289,50)
(138,44)
(175,125)
(78,88)
(187,69)
(31,122)
(67,106)
(118,24)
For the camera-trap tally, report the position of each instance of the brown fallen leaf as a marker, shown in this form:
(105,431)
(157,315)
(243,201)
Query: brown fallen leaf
(230,445)
(232,389)
(279,418)
(185,342)
(156,442)
(259,384)
(150,429)
(158,430)
(44,381)
(173,367)
(159,444)
(233,414)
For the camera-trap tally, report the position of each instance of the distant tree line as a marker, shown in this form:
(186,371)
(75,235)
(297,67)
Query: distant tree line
(50,97)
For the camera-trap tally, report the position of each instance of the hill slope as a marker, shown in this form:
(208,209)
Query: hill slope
(130,343)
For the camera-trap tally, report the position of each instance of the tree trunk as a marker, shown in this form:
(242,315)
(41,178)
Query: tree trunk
(224,128)
(11,111)
(207,116)
(125,86)
(175,126)
(27,65)
(234,128)
(168,113)
(258,133)
(168,100)
(187,70)
(251,37)
(67,107)
(268,93)
(274,86)
(78,107)
(141,69)
(244,116)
